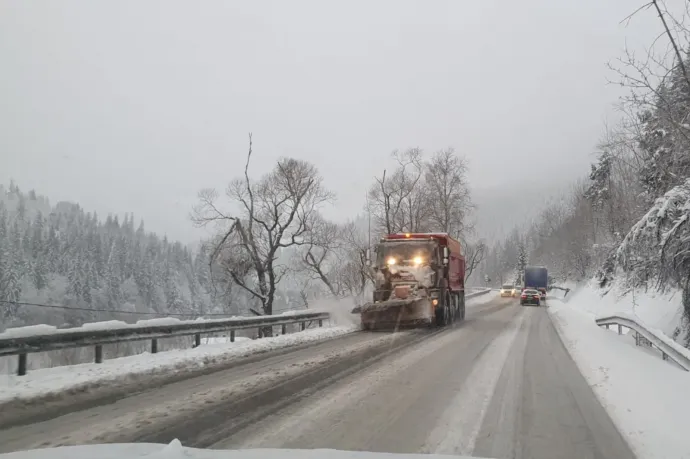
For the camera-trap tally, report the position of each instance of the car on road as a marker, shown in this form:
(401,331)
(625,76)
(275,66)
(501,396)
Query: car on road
(530,296)
(542,292)
(508,290)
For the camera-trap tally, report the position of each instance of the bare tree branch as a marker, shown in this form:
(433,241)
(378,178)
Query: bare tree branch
(474,255)
(673,42)
(276,212)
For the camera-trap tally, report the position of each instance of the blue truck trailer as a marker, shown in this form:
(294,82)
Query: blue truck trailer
(537,277)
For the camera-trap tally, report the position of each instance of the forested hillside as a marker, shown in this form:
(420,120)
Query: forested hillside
(627,223)
(99,269)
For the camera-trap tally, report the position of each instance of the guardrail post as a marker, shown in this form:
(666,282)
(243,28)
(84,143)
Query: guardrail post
(607,326)
(302,325)
(98,353)
(320,322)
(232,336)
(664,356)
(620,329)
(21,367)
(283,329)
(154,346)
(637,339)
(197,340)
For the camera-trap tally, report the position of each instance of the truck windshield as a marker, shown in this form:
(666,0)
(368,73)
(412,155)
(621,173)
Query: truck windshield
(406,253)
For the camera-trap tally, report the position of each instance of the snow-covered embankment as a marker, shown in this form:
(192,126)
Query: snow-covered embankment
(645,396)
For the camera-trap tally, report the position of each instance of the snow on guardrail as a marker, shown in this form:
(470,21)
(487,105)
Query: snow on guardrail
(118,325)
(668,347)
(39,338)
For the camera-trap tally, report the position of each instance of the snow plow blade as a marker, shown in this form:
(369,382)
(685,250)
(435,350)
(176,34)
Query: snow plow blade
(392,314)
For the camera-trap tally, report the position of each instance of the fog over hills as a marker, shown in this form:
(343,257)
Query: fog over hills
(499,210)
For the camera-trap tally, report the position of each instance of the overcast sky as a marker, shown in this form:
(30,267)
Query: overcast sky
(133,106)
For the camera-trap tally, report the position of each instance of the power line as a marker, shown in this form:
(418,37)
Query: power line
(119,311)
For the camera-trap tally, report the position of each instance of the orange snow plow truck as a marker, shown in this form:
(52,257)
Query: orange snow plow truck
(419,279)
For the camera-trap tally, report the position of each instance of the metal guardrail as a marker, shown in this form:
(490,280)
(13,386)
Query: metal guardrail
(667,347)
(81,337)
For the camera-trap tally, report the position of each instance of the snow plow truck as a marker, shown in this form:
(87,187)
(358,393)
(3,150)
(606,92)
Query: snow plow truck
(419,280)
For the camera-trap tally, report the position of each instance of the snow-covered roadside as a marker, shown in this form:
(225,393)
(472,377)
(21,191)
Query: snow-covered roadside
(54,381)
(645,396)
(482,299)
(654,309)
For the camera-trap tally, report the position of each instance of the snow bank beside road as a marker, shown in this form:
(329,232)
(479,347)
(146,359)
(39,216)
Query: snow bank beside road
(58,380)
(645,396)
(656,310)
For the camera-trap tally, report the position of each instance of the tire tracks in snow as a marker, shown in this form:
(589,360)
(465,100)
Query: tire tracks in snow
(224,420)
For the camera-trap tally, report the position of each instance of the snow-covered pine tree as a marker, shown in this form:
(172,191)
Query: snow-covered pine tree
(520,264)
(112,283)
(173,297)
(74,278)
(37,236)
(12,272)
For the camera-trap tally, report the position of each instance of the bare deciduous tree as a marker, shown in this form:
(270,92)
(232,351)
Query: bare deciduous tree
(335,255)
(318,255)
(474,255)
(276,212)
(422,196)
(448,193)
(658,104)
(356,273)
(397,202)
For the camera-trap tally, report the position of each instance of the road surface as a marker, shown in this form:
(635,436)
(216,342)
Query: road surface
(500,385)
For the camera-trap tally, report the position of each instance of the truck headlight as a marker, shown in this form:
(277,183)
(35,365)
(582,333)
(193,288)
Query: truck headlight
(417,261)
(391,261)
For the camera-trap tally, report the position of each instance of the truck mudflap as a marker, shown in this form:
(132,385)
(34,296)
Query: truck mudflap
(396,313)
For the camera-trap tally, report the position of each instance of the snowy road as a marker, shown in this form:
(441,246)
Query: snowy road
(499,385)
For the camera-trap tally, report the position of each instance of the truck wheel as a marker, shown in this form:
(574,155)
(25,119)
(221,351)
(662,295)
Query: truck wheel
(457,307)
(450,301)
(450,308)
(443,311)
(461,307)
(454,307)
(440,315)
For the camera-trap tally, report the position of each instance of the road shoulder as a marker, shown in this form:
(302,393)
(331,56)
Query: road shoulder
(543,407)
(645,396)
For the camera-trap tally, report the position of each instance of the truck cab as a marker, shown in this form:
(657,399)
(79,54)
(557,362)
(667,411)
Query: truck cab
(414,264)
